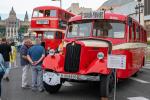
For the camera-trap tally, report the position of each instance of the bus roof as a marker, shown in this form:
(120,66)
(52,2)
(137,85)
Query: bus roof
(113,16)
(51,7)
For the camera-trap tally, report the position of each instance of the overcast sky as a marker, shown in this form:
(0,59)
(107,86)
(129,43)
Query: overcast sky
(21,6)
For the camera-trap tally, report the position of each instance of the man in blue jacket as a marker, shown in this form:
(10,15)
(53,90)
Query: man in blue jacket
(35,56)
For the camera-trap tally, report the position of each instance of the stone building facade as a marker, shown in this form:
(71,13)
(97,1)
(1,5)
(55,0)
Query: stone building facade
(147,16)
(12,27)
(76,9)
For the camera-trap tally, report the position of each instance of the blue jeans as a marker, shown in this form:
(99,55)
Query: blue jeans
(1,76)
(6,65)
(37,77)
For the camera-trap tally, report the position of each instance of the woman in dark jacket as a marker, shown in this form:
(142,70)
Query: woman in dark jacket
(2,70)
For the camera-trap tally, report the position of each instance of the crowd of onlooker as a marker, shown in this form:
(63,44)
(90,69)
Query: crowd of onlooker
(31,56)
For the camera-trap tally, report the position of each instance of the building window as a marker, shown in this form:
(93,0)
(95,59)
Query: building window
(146,7)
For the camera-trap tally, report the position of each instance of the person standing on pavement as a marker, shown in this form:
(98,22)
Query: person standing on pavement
(5,50)
(35,56)
(25,63)
(2,70)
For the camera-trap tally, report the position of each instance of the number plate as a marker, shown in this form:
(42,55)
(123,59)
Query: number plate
(42,22)
(51,78)
(69,76)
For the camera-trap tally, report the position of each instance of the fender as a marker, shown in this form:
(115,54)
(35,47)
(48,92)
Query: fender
(99,66)
(53,62)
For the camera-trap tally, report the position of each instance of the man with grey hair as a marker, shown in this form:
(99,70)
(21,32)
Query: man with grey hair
(24,62)
(35,56)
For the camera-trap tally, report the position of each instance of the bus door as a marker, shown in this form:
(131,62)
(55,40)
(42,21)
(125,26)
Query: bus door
(40,35)
(58,38)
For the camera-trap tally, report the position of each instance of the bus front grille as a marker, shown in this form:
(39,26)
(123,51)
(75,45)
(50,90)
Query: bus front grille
(72,59)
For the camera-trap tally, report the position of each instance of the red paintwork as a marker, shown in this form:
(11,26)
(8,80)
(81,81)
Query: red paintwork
(52,25)
(52,43)
(88,58)
(56,63)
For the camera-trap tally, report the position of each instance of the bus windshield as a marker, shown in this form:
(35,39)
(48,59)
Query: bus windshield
(79,29)
(49,35)
(109,29)
(101,28)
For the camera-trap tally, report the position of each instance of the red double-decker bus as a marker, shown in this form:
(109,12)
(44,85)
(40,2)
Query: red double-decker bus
(49,24)
(89,41)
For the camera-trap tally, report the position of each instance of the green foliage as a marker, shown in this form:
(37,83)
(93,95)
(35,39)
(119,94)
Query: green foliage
(148,42)
(2,31)
(23,29)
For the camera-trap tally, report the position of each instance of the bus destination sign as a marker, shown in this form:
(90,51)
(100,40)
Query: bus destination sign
(42,22)
(93,15)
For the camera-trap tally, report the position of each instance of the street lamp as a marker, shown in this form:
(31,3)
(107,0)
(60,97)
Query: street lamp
(139,9)
(60,2)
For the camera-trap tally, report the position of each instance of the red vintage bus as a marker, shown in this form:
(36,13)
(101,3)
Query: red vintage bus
(89,40)
(49,23)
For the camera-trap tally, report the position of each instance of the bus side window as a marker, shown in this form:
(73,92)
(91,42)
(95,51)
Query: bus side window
(130,33)
(137,33)
(145,36)
(141,34)
(133,32)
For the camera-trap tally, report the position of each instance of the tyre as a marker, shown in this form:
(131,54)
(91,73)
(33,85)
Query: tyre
(106,84)
(135,74)
(52,89)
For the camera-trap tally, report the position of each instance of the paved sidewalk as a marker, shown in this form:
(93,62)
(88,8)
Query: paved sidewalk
(147,66)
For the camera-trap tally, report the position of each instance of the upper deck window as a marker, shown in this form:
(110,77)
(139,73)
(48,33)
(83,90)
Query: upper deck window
(46,13)
(79,29)
(41,13)
(38,13)
(35,13)
(109,29)
(50,13)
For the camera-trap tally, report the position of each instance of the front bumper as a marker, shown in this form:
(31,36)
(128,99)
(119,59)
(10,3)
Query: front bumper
(75,77)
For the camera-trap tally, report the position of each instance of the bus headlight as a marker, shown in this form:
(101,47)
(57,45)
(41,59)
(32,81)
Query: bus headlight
(52,52)
(100,55)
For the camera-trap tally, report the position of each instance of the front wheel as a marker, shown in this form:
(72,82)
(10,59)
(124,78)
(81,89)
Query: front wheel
(106,84)
(52,88)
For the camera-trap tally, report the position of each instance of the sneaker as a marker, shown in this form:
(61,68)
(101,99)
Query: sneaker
(6,79)
(26,87)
